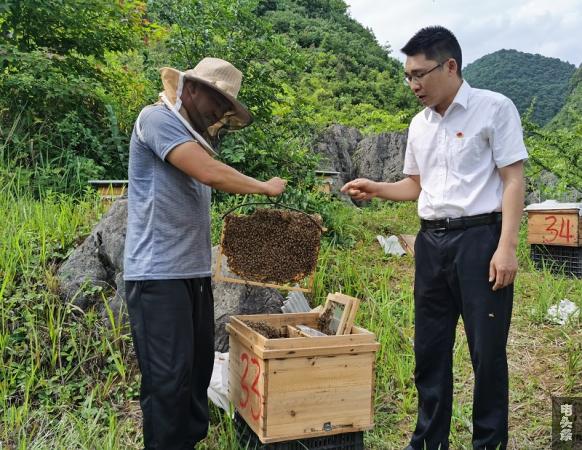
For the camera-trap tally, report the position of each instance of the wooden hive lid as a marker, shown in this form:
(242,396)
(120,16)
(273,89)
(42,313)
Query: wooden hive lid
(554,206)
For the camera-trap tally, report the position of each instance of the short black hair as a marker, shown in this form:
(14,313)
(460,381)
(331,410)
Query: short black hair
(436,43)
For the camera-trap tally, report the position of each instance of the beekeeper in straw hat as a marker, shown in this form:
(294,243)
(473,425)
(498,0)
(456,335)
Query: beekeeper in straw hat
(167,249)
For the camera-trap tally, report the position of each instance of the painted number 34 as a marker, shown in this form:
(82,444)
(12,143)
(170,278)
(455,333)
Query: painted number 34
(557,229)
(248,391)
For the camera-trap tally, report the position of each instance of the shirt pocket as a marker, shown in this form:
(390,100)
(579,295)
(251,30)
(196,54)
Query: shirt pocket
(465,154)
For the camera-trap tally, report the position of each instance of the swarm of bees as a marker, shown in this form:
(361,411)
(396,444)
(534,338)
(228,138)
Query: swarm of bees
(265,330)
(324,322)
(272,245)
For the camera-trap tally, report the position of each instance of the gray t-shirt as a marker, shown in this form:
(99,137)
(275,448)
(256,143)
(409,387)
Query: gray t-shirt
(168,224)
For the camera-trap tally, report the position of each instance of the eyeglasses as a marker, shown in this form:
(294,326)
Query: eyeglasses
(408,79)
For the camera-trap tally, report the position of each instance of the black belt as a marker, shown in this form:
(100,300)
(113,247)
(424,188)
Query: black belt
(460,223)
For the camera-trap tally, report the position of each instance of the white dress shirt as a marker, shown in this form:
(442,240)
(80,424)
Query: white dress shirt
(457,154)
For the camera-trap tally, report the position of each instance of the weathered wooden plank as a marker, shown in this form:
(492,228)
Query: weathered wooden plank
(554,228)
(320,351)
(246,385)
(314,394)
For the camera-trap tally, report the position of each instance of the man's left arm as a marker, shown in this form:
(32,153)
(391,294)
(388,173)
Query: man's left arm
(503,265)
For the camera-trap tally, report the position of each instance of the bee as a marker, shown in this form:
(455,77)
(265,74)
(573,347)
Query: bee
(272,245)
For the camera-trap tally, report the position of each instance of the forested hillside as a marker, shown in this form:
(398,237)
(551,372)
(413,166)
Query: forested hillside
(571,113)
(524,78)
(74,75)
(349,79)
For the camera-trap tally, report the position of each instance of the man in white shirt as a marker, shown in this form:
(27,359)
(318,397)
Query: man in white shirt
(464,164)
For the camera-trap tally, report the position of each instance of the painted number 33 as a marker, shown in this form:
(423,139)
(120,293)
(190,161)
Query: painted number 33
(248,391)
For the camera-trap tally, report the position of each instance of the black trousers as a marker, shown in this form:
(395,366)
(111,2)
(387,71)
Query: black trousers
(452,271)
(172,325)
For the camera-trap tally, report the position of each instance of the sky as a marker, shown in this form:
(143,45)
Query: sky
(549,27)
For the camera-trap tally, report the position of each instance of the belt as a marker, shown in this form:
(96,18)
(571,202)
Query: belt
(460,223)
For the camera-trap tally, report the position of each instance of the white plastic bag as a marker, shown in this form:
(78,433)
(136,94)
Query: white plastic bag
(391,245)
(218,389)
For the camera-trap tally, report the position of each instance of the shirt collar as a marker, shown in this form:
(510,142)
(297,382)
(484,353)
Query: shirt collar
(461,99)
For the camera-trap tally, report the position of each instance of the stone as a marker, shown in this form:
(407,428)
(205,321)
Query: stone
(380,157)
(336,146)
(117,306)
(97,261)
(377,157)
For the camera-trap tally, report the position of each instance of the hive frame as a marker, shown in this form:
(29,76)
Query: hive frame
(219,276)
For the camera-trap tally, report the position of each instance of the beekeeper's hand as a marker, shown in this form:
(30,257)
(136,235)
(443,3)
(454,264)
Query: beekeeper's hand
(275,186)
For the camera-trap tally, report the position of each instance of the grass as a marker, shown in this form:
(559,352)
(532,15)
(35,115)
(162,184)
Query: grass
(69,382)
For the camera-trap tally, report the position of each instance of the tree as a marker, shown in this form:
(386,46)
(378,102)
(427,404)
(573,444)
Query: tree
(56,82)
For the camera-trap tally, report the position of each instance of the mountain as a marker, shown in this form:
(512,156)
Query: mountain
(348,77)
(524,78)
(571,112)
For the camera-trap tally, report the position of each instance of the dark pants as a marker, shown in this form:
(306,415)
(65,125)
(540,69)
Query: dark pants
(172,324)
(452,270)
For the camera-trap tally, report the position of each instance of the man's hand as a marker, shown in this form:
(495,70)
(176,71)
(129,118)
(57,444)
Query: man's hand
(275,186)
(503,267)
(360,189)
(403,190)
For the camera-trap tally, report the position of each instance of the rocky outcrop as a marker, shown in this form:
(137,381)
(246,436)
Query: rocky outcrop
(377,157)
(98,261)
(336,145)
(380,157)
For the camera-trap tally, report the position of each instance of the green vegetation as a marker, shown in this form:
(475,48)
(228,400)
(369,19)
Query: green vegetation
(525,79)
(74,75)
(557,152)
(557,148)
(571,113)
(68,90)
(68,381)
(348,77)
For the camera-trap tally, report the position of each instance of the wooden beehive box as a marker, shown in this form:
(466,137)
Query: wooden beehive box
(301,387)
(328,179)
(110,190)
(552,223)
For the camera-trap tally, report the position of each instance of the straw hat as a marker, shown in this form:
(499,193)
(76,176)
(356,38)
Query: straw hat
(217,74)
